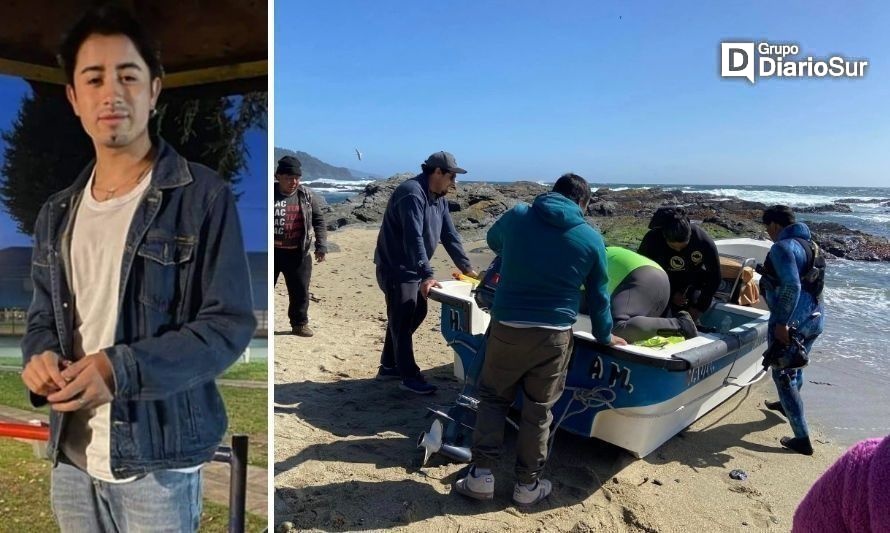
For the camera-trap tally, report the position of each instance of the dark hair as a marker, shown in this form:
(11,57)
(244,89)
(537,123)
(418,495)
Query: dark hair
(108,19)
(673,223)
(573,187)
(780,214)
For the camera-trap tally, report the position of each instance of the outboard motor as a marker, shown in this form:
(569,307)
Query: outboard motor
(431,442)
(451,433)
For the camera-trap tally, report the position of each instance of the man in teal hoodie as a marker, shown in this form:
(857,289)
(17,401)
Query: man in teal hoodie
(548,251)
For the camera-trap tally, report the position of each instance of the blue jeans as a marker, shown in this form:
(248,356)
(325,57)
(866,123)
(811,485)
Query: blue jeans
(160,501)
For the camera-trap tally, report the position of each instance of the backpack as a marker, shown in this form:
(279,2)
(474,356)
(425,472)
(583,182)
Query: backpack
(812,279)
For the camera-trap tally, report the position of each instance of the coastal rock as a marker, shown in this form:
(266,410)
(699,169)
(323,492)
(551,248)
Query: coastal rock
(882,201)
(836,207)
(475,207)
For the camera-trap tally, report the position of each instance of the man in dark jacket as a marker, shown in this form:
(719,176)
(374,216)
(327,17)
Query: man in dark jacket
(792,287)
(548,251)
(688,255)
(297,213)
(415,221)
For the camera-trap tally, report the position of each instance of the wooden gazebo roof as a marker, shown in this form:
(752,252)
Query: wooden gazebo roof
(219,45)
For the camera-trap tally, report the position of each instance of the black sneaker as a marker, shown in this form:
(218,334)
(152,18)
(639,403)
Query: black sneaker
(687,325)
(798,444)
(418,385)
(387,372)
(775,406)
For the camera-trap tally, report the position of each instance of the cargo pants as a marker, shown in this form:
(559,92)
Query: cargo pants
(534,360)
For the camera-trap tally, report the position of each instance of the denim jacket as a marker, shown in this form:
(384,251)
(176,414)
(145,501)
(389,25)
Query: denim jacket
(185,314)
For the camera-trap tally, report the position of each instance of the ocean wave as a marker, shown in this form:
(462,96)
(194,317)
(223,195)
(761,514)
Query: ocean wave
(339,184)
(617,189)
(857,301)
(767,196)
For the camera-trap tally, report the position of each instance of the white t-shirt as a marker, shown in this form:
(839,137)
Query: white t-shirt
(97,250)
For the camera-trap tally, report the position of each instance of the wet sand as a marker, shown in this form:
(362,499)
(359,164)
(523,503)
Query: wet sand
(345,444)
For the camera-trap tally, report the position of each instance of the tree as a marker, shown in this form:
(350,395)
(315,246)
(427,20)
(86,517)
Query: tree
(46,148)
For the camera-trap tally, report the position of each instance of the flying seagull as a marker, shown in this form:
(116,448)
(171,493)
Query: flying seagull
(358,154)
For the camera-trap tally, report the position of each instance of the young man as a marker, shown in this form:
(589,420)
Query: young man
(141,299)
(415,221)
(791,283)
(548,251)
(688,255)
(297,213)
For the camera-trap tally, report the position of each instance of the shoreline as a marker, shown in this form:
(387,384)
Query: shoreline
(346,458)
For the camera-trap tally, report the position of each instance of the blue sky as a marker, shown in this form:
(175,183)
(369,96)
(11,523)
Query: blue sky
(253,186)
(616,91)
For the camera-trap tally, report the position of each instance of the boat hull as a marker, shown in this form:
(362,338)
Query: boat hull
(634,397)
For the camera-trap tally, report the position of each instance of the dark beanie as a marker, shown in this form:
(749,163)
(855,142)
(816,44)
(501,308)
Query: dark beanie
(289,166)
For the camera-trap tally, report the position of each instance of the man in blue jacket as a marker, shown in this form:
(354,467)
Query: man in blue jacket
(415,221)
(141,299)
(548,251)
(792,283)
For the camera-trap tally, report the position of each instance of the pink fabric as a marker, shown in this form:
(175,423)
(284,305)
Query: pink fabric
(853,495)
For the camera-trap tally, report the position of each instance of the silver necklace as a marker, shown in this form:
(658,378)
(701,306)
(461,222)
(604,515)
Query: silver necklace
(109,193)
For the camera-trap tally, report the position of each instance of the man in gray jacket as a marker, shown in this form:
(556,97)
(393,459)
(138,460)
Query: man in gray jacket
(415,221)
(297,213)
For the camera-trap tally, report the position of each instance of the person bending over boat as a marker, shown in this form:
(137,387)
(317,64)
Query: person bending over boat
(791,281)
(640,291)
(688,255)
(547,250)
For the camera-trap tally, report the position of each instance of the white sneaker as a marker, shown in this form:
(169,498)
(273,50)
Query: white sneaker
(480,488)
(523,495)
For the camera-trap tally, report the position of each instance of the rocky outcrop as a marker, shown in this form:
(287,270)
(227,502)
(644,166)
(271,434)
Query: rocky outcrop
(475,207)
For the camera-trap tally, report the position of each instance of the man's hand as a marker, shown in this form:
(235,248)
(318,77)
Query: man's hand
(617,341)
(472,273)
(90,384)
(319,257)
(428,284)
(42,374)
(780,332)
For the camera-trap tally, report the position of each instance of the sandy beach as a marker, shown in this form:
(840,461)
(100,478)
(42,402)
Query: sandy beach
(345,443)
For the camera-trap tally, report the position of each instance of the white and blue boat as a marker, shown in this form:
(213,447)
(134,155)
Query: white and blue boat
(631,396)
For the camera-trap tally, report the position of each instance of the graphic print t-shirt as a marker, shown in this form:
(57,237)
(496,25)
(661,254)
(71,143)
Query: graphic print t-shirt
(288,216)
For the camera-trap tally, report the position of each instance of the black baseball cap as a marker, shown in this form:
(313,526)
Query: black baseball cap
(444,160)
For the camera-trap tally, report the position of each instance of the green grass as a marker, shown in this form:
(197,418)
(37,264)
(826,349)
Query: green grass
(246,408)
(248,415)
(25,504)
(252,371)
(11,361)
(24,501)
(215,518)
(13,392)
